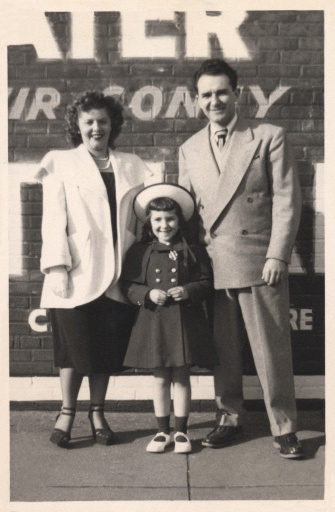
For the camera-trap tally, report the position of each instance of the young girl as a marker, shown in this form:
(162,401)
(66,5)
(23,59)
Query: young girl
(168,279)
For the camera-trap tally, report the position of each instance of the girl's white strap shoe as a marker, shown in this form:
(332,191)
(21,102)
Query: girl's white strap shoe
(159,442)
(182,444)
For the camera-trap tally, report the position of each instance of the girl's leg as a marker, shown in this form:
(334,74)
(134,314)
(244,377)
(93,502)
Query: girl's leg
(181,403)
(162,405)
(162,391)
(70,381)
(181,391)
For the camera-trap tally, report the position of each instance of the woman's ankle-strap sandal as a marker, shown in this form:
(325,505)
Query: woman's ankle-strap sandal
(103,435)
(62,437)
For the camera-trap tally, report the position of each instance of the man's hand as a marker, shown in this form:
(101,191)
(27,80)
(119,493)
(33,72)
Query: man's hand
(178,293)
(273,271)
(158,297)
(59,280)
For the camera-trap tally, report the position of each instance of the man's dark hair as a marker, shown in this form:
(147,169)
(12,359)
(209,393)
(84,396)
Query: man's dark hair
(216,67)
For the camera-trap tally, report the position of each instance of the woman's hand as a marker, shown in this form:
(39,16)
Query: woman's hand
(178,293)
(158,297)
(59,281)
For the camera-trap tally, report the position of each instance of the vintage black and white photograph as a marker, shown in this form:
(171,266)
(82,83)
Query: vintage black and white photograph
(166,200)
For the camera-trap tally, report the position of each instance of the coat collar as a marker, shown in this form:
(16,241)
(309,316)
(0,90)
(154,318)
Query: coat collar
(158,246)
(84,173)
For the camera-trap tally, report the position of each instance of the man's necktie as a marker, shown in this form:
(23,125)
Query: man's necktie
(220,137)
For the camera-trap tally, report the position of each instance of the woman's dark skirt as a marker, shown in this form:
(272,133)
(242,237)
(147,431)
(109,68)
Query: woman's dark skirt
(93,337)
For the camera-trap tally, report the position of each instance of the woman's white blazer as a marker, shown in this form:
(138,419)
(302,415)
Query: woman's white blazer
(76,223)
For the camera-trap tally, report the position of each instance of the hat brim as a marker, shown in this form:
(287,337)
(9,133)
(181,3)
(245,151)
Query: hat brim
(176,192)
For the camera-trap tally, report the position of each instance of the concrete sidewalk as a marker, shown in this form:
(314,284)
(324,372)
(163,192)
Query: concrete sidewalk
(251,469)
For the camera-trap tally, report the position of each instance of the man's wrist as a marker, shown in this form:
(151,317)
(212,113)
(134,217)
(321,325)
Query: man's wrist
(277,259)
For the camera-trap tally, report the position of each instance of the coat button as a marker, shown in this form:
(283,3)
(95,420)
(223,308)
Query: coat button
(158,280)
(250,200)
(244,232)
(138,303)
(213,235)
(173,270)
(157,270)
(173,280)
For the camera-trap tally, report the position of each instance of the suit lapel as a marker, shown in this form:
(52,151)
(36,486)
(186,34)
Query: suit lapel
(241,150)
(206,164)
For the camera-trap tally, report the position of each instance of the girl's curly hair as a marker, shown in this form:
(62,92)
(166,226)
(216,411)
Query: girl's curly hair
(162,204)
(86,102)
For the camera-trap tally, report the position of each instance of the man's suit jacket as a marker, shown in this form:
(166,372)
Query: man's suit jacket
(76,224)
(251,210)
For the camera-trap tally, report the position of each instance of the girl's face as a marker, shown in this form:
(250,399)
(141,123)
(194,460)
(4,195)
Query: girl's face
(164,225)
(95,127)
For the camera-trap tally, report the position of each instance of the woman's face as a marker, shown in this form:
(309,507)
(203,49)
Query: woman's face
(95,127)
(164,225)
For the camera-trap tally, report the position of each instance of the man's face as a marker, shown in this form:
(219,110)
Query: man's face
(216,98)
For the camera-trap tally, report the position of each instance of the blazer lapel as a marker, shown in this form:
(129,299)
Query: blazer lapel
(83,172)
(241,150)
(124,173)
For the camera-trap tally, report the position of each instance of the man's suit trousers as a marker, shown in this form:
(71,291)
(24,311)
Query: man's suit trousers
(264,311)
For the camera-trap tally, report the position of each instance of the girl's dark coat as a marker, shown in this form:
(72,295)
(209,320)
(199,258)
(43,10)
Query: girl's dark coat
(178,332)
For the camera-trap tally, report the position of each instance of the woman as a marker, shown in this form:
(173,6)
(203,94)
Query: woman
(87,227)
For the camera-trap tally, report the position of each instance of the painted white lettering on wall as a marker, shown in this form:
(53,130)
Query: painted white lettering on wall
(34,320)
(182,96)
(46,99)
(265,103)
(19,103)
(114,90)
(135,43)
(301,319)
(146,103)
(200,27)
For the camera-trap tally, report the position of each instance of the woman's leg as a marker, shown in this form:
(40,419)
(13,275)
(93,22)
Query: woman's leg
(70,381)
(98,383)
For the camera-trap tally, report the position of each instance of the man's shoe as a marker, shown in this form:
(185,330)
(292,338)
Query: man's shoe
(289,446)
(221,436)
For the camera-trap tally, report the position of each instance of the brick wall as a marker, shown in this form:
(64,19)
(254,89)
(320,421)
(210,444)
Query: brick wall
(281,80)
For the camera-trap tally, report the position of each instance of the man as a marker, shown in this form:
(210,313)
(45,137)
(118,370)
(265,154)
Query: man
(242,175)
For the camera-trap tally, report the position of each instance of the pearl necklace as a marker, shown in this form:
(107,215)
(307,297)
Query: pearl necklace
(102,163)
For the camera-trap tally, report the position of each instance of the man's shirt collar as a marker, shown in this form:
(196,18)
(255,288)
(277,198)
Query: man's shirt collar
(230,127)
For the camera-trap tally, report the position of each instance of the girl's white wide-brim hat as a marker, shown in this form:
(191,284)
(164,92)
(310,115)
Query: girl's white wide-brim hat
(176,192)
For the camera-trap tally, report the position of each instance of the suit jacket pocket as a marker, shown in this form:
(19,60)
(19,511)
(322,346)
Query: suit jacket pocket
(78,243)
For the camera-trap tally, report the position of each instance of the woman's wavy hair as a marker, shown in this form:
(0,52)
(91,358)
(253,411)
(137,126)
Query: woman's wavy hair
(86,102)
(162,204)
